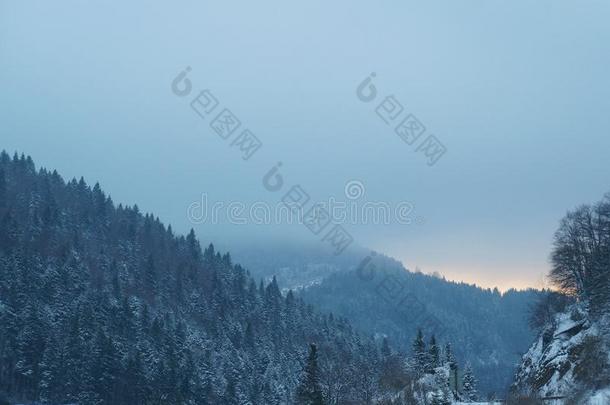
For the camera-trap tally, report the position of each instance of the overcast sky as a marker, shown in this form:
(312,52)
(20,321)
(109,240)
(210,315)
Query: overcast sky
(517,91)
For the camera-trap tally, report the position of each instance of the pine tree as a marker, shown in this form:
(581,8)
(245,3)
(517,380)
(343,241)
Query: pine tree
(53,372)
(434,354)
(420,356)
(2,189)
(31,344)
(442,393)
(449,357)
(469,384)
(249,340)
(106,370)
(309,391)
(385,349)
(133,383)
(150,277)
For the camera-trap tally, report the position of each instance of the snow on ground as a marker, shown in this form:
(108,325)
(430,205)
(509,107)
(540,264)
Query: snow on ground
(478,403)
(549,366)
(600,398)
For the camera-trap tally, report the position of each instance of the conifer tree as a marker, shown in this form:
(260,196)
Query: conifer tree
(2,189)
(52,370)
(309,391)
(420,356)
(385,349)
(469,384)
(449,357)
(434,354)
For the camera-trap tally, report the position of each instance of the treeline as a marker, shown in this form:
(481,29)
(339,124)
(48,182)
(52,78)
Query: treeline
(100,304)
(429,374)
(488,328)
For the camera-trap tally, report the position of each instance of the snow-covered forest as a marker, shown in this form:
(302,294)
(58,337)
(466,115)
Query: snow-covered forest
(305,202)
(102,304)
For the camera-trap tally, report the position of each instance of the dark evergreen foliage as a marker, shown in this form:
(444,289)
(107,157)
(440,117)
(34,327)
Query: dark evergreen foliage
(434,354)
(100,304)
(309,391)
(469,384)
(485,326)
(421,358)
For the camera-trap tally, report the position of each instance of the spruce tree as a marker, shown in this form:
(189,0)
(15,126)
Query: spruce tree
(52,372)
(385,349)
(2,189)
(434,353)
(469,384)
(150,277)
(309,391)
(449,357)
(420,356)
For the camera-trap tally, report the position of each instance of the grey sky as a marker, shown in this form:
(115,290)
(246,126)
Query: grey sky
(518,91)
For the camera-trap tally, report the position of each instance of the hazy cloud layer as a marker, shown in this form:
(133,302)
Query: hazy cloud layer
(516,91)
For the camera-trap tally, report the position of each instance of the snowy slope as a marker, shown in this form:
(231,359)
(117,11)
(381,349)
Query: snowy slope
(566,360)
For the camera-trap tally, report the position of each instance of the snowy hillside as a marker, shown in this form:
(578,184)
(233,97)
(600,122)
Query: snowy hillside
(569,359)
(487,328)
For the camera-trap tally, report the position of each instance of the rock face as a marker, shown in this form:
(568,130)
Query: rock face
(568,360)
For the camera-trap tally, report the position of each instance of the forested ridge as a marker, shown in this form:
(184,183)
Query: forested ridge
(101,304)
(487,328)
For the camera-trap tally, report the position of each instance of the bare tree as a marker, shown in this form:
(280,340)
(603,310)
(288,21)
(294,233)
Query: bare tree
(581,254)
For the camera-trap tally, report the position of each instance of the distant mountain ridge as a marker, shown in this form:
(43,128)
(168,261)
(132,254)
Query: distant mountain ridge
(295,265)
(486,327)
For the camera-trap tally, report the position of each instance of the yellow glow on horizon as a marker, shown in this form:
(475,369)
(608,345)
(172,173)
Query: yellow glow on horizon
(503,279)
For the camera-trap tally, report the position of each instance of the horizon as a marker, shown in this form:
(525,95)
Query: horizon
(542,285)
(484,208)
(308,203)
(458,276)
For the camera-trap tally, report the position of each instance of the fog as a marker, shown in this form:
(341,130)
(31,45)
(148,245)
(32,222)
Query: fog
(516,92)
